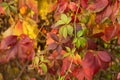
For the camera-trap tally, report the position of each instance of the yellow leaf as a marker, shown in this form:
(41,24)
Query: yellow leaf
(30,28)
(91,22)
(18,30)
(45,7)
(8,32)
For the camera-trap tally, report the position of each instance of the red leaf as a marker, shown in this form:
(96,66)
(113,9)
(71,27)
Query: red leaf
(110,32)
(32,4)
(79,73)
(12,47)
(54,37)
(59,49)
(52,46)
(118,76)
(2,11)
(91,44)
(104,56)
(25,48)
(98,5)
(49,39)
(90,63)
(8,49)
(72,6)
(101,16)
(115,10)
(8,42)
(62,6)
(84,3)
(66,65)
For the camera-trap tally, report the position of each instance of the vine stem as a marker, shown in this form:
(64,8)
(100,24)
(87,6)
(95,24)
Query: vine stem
(18,77)
(76,17)
(68,68)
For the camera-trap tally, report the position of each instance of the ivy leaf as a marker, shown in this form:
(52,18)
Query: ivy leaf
(84,3)
(61,30)
(44,67)
(75,40)
(98,5)
(59,22)
(82,41)
(4,4)
(36,60)
(64,17)
(65,32)
(32,4)
(69,30)
(78,43)
(14,9)
(110,32)
(80,33)
(72,6)
(103,15)
(90,63)
(30,28)
(104,56)
(54,37)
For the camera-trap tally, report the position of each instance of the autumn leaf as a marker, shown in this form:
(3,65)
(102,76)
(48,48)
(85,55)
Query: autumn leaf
(84,3)
(80,74)
(110,32)
(103,15)
(2,11)
(115,10)
(11,47)
(32,4)
(73,6)
(30,28)
(98,5)
(18,30)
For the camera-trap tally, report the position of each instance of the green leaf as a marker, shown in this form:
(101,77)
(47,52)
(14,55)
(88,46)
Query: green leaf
(14,9)
(66,54)
(75,40)
(78,43)
(73,50)
(68,49)
(68,20)
(61,30)
(59,22)
(84,19)
(82,41)
(36,60)
(42,58)
(61,77)
(65,32)
(44,67)
(80,33)
(64,18)
(69,30)
(4,4)
(7,11)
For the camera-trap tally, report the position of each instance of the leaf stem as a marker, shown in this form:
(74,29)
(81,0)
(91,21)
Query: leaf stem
(76,17)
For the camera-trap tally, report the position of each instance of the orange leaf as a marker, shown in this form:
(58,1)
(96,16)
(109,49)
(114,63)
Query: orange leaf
(18,28)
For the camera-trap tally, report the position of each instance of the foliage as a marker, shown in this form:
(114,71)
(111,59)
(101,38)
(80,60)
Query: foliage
(80,41)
